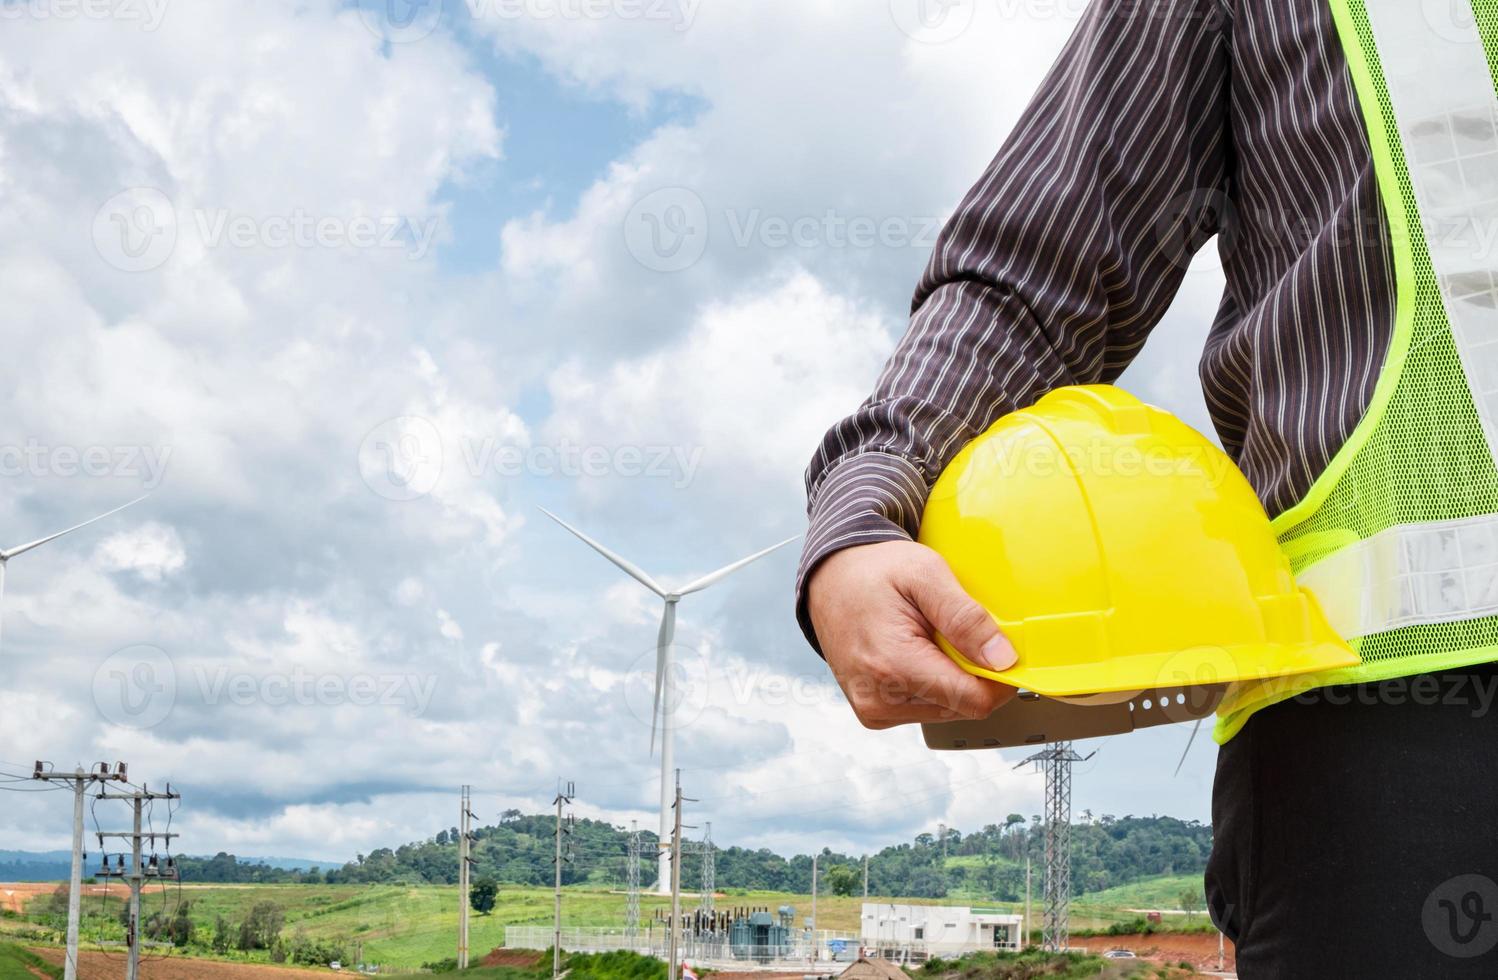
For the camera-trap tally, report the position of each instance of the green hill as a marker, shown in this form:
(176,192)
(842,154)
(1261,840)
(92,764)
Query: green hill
(986,864)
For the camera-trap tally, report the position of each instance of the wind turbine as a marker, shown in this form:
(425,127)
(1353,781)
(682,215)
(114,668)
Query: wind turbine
(664,708)
(7,554)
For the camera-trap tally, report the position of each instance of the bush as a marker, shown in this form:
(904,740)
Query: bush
(312,952)
(618,965)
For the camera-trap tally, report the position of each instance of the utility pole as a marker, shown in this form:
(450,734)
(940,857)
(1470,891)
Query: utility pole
(80,780)
(865,877)
(139,871)
(1026,943)
(673,967)
(632,909)
(814,898)
(465,875)
(563,799)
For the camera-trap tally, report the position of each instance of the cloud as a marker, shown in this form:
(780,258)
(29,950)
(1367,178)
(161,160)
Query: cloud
(239,249)
(153,551)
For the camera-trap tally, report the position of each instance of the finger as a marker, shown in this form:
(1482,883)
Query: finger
(933,677)
(908,713)
(958,617)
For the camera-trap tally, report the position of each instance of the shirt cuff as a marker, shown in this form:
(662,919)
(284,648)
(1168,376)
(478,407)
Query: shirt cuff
(864,499)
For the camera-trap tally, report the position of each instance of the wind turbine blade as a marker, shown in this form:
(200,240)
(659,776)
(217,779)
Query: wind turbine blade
(713,578)
(1187,751)
(662,655)
(628,567)
(22,549)
(2,594)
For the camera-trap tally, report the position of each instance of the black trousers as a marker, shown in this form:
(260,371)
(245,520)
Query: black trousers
(1356,832)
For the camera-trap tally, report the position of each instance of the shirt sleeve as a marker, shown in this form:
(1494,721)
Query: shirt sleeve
(1054,267)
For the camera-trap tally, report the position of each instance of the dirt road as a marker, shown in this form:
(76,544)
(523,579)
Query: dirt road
(111,966)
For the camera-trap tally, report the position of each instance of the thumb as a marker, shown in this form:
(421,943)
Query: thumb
(960,618)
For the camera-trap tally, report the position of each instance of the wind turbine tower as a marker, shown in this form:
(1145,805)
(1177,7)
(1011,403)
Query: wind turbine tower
(664,709)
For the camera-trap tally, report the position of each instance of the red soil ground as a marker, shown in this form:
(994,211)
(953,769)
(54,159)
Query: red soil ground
(1197,948)
(111,966)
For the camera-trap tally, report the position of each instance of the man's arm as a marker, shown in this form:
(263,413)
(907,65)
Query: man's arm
(1052,272)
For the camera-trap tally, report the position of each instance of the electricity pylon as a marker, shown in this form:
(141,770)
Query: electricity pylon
(708,872)
(1056,762)
(632,909)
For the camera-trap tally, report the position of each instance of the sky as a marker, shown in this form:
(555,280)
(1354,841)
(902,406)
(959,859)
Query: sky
(351,289)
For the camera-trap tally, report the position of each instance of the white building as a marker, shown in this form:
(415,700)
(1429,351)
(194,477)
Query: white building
(938,930)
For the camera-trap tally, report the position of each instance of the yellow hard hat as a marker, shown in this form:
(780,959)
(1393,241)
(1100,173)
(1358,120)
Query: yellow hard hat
(1120,551)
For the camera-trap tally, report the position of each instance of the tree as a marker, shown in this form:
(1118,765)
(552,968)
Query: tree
(262,928)
(175,928)
(1191,902)
(222,935)
(483,895)
(841,879)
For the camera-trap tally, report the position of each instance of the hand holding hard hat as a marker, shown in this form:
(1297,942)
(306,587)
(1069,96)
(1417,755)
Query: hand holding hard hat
(1129,563)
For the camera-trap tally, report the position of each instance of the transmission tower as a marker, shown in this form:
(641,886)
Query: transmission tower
(708,872)
(1056,762)
(632,909)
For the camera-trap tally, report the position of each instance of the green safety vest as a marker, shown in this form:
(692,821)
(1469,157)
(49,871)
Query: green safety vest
(1398,538)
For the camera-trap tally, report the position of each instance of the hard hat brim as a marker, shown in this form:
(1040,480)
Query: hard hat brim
(1196,666)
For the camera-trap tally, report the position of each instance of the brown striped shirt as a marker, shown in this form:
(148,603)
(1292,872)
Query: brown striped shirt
(1163,123)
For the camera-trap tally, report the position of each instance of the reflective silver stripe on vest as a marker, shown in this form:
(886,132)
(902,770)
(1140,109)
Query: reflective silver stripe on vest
(1410,575)
(1447,113)
(1442,90)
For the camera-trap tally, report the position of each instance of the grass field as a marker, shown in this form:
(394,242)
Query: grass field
(20,964)
(1152,893)
(406,926)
